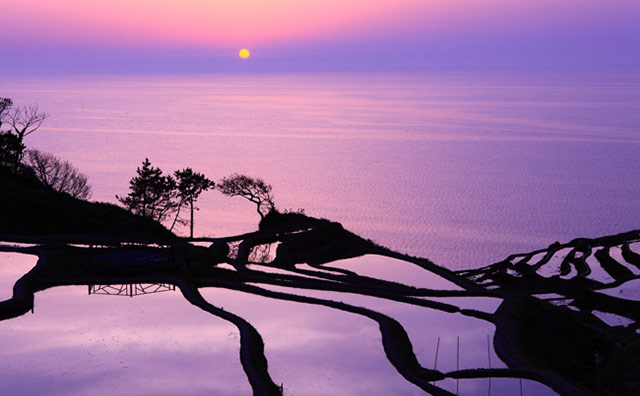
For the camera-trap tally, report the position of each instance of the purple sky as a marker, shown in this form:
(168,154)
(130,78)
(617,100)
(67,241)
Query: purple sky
(293,35)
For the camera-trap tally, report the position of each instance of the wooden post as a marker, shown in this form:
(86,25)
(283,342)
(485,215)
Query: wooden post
(520,386)
(458,367)
(435,363)
(489,356)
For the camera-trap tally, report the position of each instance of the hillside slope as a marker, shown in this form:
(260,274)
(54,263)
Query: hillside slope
(28,208)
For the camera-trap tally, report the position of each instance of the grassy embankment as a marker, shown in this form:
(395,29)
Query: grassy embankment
(29,209)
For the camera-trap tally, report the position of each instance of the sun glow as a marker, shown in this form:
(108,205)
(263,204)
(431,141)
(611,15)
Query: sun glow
(244,53)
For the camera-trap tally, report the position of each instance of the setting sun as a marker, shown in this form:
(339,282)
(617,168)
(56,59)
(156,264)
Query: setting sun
(244,53)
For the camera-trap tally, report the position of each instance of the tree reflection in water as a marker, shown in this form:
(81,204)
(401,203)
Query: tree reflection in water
(131,290)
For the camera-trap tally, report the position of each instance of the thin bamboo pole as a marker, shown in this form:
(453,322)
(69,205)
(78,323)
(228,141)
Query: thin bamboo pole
(489,357)
(458,367)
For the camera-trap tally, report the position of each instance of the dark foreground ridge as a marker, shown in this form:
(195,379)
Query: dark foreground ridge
(33,211)
(548,327)
(579,285)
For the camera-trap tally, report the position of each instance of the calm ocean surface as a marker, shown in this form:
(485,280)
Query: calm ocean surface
(464,169)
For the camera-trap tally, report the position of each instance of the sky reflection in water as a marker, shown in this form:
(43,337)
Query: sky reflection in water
(115,345)
(161,345)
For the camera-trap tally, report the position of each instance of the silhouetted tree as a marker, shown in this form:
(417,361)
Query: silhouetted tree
(5,104)
(11,150)
(152,194)
(58,174)
(190,185)
(255,190)
(24,120)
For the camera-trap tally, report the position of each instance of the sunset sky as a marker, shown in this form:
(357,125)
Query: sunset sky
(205,35)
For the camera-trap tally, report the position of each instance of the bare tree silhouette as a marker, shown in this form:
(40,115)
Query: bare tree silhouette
(24,120)
(58,174)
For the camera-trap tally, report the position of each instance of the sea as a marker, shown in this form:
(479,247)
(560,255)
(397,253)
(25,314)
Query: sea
(461,168)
